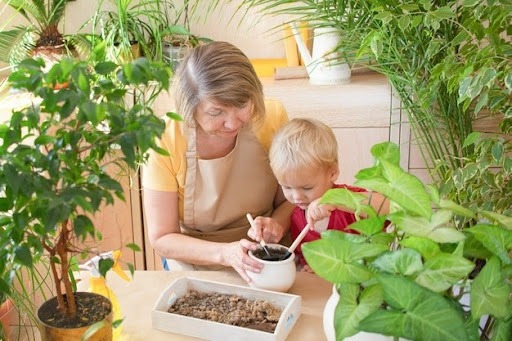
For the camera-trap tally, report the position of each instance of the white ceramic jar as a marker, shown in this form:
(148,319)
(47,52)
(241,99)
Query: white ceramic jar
(275,275)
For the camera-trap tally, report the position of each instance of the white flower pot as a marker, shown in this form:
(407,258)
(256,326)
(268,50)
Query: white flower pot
(330,307)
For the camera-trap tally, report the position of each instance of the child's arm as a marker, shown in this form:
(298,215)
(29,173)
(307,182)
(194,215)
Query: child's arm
(317,211)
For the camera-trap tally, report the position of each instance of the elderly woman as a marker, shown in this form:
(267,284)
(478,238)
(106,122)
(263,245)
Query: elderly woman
(197,197)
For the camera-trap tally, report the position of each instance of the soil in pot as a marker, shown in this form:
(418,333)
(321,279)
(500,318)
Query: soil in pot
(228,309)
(91,308)
(274,254)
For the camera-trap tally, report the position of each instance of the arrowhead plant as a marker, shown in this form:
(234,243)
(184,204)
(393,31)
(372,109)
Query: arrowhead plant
(412,281)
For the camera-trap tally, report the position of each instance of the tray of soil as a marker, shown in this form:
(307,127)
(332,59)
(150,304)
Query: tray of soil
(214,310)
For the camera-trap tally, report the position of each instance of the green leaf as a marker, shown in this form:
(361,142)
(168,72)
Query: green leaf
(502,330)
(471,138)
(105,68)
(104,265)
(415,313)
(353,306)
(400,187)
(421,227)
(497,151)
(344,197)
(443,270)
(369,226)
(403,261)
(133,247)
(504,221)
(456,209)
(388,151)
(174,116)
(425,246)
(489,291)
(495,239)
(470,3)
(337,260)
(443,13)
(23,255)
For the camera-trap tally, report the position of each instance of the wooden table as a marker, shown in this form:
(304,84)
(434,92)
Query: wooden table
(138,296)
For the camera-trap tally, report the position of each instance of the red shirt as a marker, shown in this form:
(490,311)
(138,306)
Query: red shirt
(339,220)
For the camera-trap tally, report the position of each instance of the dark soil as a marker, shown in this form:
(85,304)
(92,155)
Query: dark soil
(91,308)
(274,254)
(228,309)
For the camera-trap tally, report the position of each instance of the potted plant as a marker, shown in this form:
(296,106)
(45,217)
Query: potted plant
(129,28)
(448,63)
(53,177)
(41,34)
(425,278)
(176,37)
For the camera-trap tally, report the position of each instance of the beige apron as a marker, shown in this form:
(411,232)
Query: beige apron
(220,192)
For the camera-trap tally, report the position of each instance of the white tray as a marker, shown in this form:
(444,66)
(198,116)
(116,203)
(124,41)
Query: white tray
(209,330)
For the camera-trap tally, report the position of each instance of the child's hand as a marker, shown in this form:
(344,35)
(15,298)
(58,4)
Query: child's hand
(307,268)
(317,211)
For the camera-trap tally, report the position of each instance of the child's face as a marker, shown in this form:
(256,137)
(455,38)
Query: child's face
(303,186)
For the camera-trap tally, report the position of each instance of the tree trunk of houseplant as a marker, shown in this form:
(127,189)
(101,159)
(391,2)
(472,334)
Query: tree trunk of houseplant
(92,309)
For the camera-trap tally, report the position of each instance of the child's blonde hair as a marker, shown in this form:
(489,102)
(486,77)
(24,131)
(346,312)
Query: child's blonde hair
(303,143)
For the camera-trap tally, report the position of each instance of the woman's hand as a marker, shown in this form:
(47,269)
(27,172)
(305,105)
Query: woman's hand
(267,229)
(236,255)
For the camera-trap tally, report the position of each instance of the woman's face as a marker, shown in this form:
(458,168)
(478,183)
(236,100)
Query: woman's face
(308,184)
(220,120)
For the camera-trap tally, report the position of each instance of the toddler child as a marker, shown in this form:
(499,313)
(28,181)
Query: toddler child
(304,159)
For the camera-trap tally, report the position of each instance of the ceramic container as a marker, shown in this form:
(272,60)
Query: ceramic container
(276,275)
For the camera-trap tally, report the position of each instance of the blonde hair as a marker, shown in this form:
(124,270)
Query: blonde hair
(303,143)
(220,72)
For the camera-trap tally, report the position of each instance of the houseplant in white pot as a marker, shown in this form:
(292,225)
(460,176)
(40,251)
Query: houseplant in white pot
(432,280)
(53,177)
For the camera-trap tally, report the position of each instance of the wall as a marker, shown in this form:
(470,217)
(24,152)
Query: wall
(256,36)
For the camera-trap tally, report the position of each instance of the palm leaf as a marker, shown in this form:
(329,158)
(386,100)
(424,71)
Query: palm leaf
(16,44)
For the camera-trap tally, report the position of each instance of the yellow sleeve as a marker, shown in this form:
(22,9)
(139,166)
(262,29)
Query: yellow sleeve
(167,172)
(275,118)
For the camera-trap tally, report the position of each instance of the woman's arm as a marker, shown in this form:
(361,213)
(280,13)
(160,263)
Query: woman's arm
(162,219)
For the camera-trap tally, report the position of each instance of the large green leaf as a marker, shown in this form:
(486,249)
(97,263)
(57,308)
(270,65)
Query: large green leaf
(495,239)
(386,151)
(369,226)
(415,313)
(425,246)
(400,187)
(490,294)
(344,197)
(443,270)
(433,229)
(339,260)
(404,262)
(353,306)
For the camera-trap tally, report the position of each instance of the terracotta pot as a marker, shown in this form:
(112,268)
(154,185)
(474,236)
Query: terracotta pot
(5,319)
(69,333)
